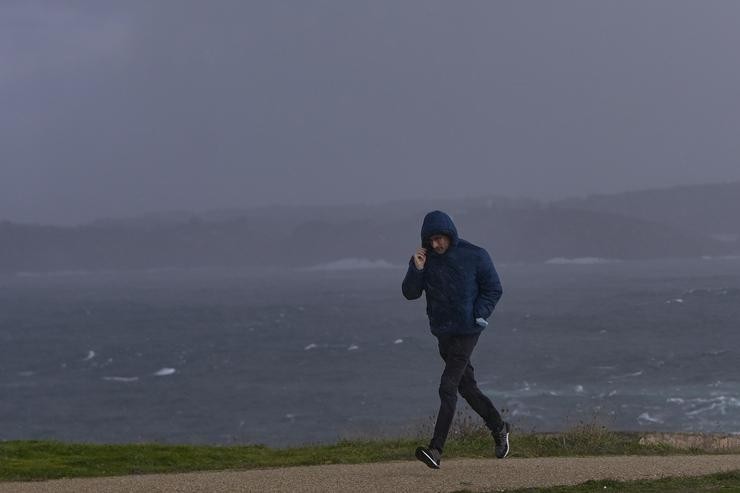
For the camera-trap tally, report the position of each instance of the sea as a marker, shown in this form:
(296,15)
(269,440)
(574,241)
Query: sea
(285,357)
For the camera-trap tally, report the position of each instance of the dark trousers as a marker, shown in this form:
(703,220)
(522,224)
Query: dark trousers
(457,377)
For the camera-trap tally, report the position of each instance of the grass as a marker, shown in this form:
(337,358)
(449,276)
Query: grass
(40,460)
(727,482)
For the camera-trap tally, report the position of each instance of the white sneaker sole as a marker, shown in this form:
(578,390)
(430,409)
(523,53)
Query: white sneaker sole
(427,459)
(508,447)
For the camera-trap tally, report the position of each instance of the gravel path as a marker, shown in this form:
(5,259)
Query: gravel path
(456,474)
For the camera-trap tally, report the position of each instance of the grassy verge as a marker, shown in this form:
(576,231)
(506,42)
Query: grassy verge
(38,460)
(728,482)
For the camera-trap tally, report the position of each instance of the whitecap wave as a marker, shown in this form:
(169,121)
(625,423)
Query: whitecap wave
(121,379)
(629,375)
(645,418)
(353,264)
(720,404)
(164,372)
(579,260)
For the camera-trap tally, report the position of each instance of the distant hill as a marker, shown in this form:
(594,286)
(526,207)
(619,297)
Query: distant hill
(706,209)
(638,225)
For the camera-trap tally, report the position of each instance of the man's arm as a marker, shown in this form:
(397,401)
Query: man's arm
(489,287)
(413,283)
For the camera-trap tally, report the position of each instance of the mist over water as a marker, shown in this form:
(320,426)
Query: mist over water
(113,110)
(285,357)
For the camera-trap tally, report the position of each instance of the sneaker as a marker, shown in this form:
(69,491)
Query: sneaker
(501,438)
(429,456)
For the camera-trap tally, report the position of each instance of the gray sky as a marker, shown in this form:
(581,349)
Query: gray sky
(131,107)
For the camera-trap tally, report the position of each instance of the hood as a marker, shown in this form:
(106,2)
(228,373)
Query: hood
(438,223)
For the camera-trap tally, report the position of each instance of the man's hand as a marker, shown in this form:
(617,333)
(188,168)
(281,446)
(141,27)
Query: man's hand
(420,258)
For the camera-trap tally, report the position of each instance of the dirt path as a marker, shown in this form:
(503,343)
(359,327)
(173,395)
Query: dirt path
(456,474)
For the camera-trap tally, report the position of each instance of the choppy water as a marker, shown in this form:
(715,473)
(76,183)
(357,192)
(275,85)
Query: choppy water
(291,357)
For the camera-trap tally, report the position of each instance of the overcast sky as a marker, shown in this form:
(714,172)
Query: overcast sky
(110,109)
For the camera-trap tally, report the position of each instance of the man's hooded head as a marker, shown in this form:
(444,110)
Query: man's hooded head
(437,223)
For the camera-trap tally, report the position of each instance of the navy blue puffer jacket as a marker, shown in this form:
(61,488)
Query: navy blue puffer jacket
(461,285)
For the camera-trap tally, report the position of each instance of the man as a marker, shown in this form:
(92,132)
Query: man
(462,289)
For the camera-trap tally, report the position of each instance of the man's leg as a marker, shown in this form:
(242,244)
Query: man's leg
(455,350)
(481,404)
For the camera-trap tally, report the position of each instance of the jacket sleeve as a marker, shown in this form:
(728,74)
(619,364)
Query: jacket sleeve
(413,283)
(489,287)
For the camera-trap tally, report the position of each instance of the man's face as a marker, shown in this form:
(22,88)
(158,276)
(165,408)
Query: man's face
(440,243)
